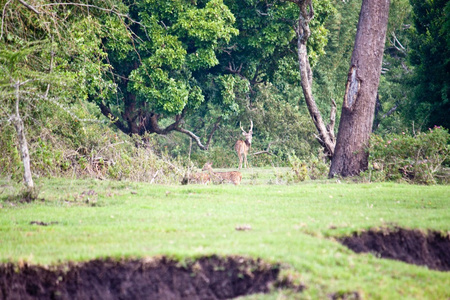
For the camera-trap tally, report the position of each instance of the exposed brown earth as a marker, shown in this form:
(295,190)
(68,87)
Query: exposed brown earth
(431,249)
(206,278)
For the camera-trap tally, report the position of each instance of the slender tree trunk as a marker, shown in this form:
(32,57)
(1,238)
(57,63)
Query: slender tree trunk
(23,144)
(326,133)
(351,157)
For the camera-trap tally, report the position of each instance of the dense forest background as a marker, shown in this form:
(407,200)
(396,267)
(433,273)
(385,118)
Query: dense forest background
(143,90)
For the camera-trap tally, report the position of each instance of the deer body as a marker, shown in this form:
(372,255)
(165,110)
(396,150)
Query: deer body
(198,177)
(242,147)
(232,177)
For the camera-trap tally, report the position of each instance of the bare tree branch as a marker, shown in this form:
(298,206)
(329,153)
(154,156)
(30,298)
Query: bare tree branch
(29,7)
(110,10)
(193,136)
(267,151)
(396,41)
(3,18)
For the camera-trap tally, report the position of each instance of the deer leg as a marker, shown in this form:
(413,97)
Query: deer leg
(240,162)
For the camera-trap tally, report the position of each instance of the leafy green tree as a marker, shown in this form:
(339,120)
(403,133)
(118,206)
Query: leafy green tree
(157,70)
(430,54)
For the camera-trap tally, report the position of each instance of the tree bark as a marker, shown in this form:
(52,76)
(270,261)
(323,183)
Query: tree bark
(351,157)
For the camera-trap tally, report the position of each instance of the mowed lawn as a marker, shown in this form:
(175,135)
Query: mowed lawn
(295,225)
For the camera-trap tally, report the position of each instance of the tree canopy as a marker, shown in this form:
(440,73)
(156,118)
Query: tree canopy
(156,69)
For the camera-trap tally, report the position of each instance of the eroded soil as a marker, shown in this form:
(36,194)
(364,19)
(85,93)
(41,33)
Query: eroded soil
(206,278)
(431,249)
(162,278)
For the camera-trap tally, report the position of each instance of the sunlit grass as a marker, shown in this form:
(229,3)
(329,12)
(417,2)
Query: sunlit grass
(292,224)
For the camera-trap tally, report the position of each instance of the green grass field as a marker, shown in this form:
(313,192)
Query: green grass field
(292,224)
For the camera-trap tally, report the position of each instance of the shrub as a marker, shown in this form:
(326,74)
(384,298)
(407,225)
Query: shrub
(61,146)
(313,168)
(418,159)
(317,168)
(299,169)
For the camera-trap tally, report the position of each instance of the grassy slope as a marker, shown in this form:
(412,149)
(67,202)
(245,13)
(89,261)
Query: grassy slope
(290,224)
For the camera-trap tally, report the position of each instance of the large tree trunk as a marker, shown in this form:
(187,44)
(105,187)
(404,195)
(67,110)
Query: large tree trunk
(326,133)
(351,157)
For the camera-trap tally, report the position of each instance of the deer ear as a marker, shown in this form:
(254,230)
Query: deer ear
(243,133)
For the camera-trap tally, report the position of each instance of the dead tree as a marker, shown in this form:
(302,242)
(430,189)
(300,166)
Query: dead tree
(325,132)
(17,121)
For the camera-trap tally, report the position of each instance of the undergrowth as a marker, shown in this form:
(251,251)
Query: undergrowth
(415,158)
(66,147)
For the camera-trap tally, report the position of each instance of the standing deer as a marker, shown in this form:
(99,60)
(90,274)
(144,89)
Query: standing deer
(233,176)
(242,147)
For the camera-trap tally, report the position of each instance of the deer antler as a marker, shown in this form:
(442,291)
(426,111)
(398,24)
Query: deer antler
(240,125)
(251,126)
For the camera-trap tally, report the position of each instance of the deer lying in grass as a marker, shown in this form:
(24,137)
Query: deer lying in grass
(220,177)
(198,177)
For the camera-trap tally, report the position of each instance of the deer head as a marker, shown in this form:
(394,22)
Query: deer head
(207,166)
(248,135)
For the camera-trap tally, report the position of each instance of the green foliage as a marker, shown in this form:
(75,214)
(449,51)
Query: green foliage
(175,44)
(311,168)
(10,160)
(416,159)
(57,67)
(227,95)
(394,92)
(282,124)
(430,52)
(299,168)
(61,146)
(46,60)
(317,167)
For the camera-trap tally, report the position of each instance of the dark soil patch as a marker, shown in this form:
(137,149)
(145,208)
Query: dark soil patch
(162,278)
(430,249)
(345,296)
(40,223)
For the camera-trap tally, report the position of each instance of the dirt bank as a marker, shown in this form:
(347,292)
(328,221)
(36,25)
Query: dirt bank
(162,278)
(431,249)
